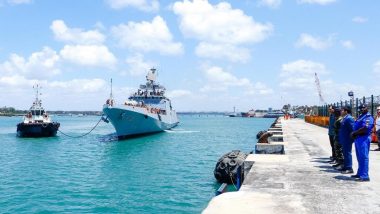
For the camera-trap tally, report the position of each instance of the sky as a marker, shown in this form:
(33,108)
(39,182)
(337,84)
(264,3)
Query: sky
(210,55)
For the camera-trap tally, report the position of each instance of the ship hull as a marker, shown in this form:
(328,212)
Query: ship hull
(131,121)
(37,129)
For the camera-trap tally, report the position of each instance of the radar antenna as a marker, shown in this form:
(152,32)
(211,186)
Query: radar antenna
(37,88)
(321,100)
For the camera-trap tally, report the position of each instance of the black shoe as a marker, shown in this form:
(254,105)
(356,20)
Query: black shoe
(339,168)
(331,158)
(378,149)
(347,171)
(362,179)
(355,176)
(336,165)
(332,162)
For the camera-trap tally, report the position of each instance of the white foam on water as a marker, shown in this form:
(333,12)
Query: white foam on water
(178,131)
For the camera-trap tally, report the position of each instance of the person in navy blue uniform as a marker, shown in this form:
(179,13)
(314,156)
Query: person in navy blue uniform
(331,134)
(346,140)
(362,134)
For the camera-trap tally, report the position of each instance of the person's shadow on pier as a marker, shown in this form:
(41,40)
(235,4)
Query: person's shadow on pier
(321,160)
(343,178)
(326,167)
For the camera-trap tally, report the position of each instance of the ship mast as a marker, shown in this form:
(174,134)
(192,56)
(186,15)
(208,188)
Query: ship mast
(37,87)
(111,95)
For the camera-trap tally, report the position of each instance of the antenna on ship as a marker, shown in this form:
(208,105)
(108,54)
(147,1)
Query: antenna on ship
(37,87)
(111,96)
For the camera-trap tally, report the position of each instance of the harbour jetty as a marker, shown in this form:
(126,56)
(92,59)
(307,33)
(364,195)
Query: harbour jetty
(301,180)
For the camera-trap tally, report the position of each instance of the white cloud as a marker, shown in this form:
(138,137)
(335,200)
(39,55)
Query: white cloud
(143,5)
(221,26)
(75,35)
(320,2)
(71,86)
(219,23)
(88,55)
(360,19)
(259,88)
(179,93)
(137,65)
(348,44)
(376,67)
(220,80)
(270,3)
(219,76)
(303,67)
(40,64)
(222,51)
(14,2)
(316,43)
(147,37)
(300,74)
(16,80)
(79,85)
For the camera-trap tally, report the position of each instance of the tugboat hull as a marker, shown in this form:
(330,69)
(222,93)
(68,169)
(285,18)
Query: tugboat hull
(37,129)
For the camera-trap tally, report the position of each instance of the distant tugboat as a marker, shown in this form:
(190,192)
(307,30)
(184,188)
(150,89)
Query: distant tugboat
(37,123)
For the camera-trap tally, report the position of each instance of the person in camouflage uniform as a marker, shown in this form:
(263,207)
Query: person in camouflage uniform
(337,145)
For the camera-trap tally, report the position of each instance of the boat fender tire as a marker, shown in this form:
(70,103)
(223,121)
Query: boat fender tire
(232,162)
(222,165)
(44,125)
(232,155)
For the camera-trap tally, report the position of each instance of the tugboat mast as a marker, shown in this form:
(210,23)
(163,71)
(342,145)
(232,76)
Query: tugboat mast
(37,87)
(37,102)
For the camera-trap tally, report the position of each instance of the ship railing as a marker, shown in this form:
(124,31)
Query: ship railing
(148,108)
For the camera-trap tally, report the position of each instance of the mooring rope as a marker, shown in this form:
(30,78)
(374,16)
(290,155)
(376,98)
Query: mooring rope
(82,134)
(230,175)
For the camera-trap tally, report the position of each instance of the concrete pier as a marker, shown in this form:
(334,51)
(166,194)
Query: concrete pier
(301,180)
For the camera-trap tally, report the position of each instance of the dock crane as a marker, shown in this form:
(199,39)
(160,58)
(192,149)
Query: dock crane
(321,100)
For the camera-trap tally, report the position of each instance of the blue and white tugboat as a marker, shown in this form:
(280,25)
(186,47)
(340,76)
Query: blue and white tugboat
(146,111)
(37,123)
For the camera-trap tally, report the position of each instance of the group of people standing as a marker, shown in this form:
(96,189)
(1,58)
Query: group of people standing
(344,130)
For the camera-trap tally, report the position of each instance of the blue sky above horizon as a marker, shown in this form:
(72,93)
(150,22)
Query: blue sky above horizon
(211,55)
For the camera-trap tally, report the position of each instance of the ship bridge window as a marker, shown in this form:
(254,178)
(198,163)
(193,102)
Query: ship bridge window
(37,112)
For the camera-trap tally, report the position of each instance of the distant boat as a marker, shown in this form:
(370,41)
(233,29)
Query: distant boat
(234,114)
(260,113)
(250,113)
(146,111)
(274,114)
(37,123)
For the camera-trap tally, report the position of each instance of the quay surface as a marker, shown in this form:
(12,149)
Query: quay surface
(301,181)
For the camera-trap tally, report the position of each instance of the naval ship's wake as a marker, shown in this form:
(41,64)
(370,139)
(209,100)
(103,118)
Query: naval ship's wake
(179,131)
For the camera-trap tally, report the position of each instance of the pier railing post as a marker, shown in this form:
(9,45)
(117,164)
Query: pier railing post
(372,105)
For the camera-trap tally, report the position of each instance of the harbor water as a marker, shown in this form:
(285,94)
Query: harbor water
(169,172)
